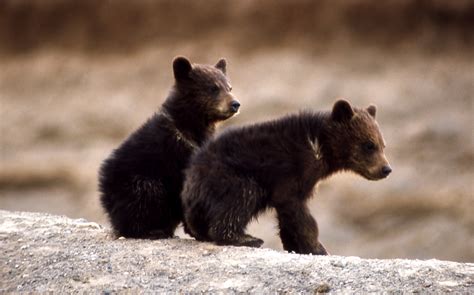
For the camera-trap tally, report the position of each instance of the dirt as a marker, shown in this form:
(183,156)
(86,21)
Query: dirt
(42,252)
(65,103)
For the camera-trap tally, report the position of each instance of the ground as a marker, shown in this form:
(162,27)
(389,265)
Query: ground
(42,252)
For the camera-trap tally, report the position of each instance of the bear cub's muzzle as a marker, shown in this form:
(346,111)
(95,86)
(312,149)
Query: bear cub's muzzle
(234,106)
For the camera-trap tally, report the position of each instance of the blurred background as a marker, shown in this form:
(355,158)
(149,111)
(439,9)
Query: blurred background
(76,77)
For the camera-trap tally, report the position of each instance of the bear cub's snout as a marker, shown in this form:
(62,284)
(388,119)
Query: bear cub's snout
(386,170)
(234,106)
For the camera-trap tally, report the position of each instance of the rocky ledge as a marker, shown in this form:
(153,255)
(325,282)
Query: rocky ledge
(42,252)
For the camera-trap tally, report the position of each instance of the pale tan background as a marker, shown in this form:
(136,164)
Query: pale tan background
(76,77)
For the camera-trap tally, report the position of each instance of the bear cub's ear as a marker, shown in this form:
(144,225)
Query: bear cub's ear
(342,111)
(221,65)
(372,109)
(181,68)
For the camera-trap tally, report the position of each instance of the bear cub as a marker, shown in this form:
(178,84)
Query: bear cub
(277,164)
(141,181)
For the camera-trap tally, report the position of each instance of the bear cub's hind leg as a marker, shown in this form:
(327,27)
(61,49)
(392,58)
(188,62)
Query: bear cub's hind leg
(232,232)
(244,240)
(250,241)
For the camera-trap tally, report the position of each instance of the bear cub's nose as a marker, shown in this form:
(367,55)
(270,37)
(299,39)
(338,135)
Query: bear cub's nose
(235,106)
(386,170)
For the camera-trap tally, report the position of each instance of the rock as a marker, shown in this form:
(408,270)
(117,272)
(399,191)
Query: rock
(42,252)
(323,288)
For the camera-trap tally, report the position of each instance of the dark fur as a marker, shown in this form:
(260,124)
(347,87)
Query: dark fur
(141,181)
(277,164)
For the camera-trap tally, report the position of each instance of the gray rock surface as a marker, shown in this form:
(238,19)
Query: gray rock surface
(42,252)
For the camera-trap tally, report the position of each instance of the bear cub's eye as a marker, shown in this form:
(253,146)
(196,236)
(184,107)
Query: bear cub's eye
(215,89)
(369,146)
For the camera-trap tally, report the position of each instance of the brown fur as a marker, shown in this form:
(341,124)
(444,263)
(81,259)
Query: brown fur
(141,180)
(277,164)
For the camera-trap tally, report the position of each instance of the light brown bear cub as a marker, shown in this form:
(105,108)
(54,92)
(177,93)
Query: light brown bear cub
(277,164)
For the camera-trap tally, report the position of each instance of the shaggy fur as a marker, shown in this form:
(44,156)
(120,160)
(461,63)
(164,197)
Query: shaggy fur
(141,180)
(277,164)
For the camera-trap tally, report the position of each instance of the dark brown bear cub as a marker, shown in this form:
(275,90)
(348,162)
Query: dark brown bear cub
(141,181)
(277,164)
